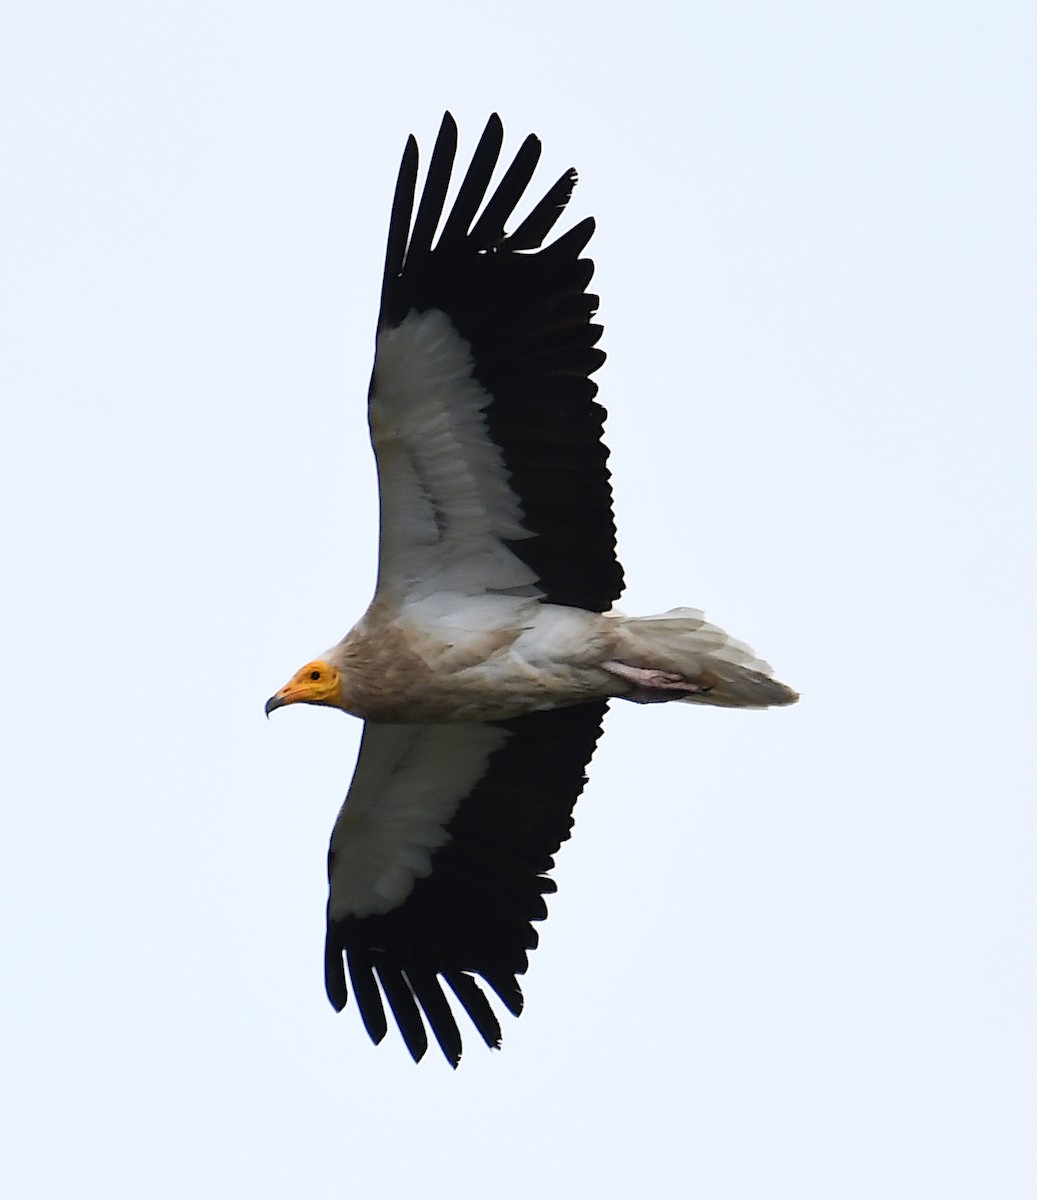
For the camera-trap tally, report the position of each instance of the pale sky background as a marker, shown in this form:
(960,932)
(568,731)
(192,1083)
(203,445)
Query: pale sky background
(793,953)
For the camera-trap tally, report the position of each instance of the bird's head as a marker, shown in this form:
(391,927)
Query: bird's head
(317,683)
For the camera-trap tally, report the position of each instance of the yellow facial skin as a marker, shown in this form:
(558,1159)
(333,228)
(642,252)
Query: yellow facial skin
(317,683)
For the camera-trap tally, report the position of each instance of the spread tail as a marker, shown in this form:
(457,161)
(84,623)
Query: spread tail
(679,655)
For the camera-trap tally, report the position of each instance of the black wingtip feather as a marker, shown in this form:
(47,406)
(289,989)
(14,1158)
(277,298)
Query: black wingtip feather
(404,1008)
(473,1001)
(334,972)
(531,233)
(399,220)
(433,197)
(569,246)
(508,991)
(365,989)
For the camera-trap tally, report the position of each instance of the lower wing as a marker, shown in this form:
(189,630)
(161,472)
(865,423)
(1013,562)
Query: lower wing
(438,866)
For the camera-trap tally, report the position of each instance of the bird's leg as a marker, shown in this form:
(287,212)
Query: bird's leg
(654,687)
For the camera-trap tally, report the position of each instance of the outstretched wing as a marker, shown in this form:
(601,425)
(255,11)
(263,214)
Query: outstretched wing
(438,865)
(491,467)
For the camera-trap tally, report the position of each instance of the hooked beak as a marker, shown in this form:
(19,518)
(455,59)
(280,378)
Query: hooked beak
(289,694)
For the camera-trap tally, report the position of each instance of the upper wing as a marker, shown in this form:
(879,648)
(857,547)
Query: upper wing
(491,468)
(438,865)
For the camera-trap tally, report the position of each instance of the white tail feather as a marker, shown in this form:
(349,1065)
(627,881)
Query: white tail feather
(684,643)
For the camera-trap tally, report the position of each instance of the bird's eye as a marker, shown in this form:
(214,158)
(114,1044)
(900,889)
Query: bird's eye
(315,675)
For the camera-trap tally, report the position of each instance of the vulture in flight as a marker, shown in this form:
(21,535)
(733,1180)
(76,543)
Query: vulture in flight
(483,667)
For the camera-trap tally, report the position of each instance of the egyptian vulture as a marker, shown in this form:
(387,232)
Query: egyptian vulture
(483,667)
